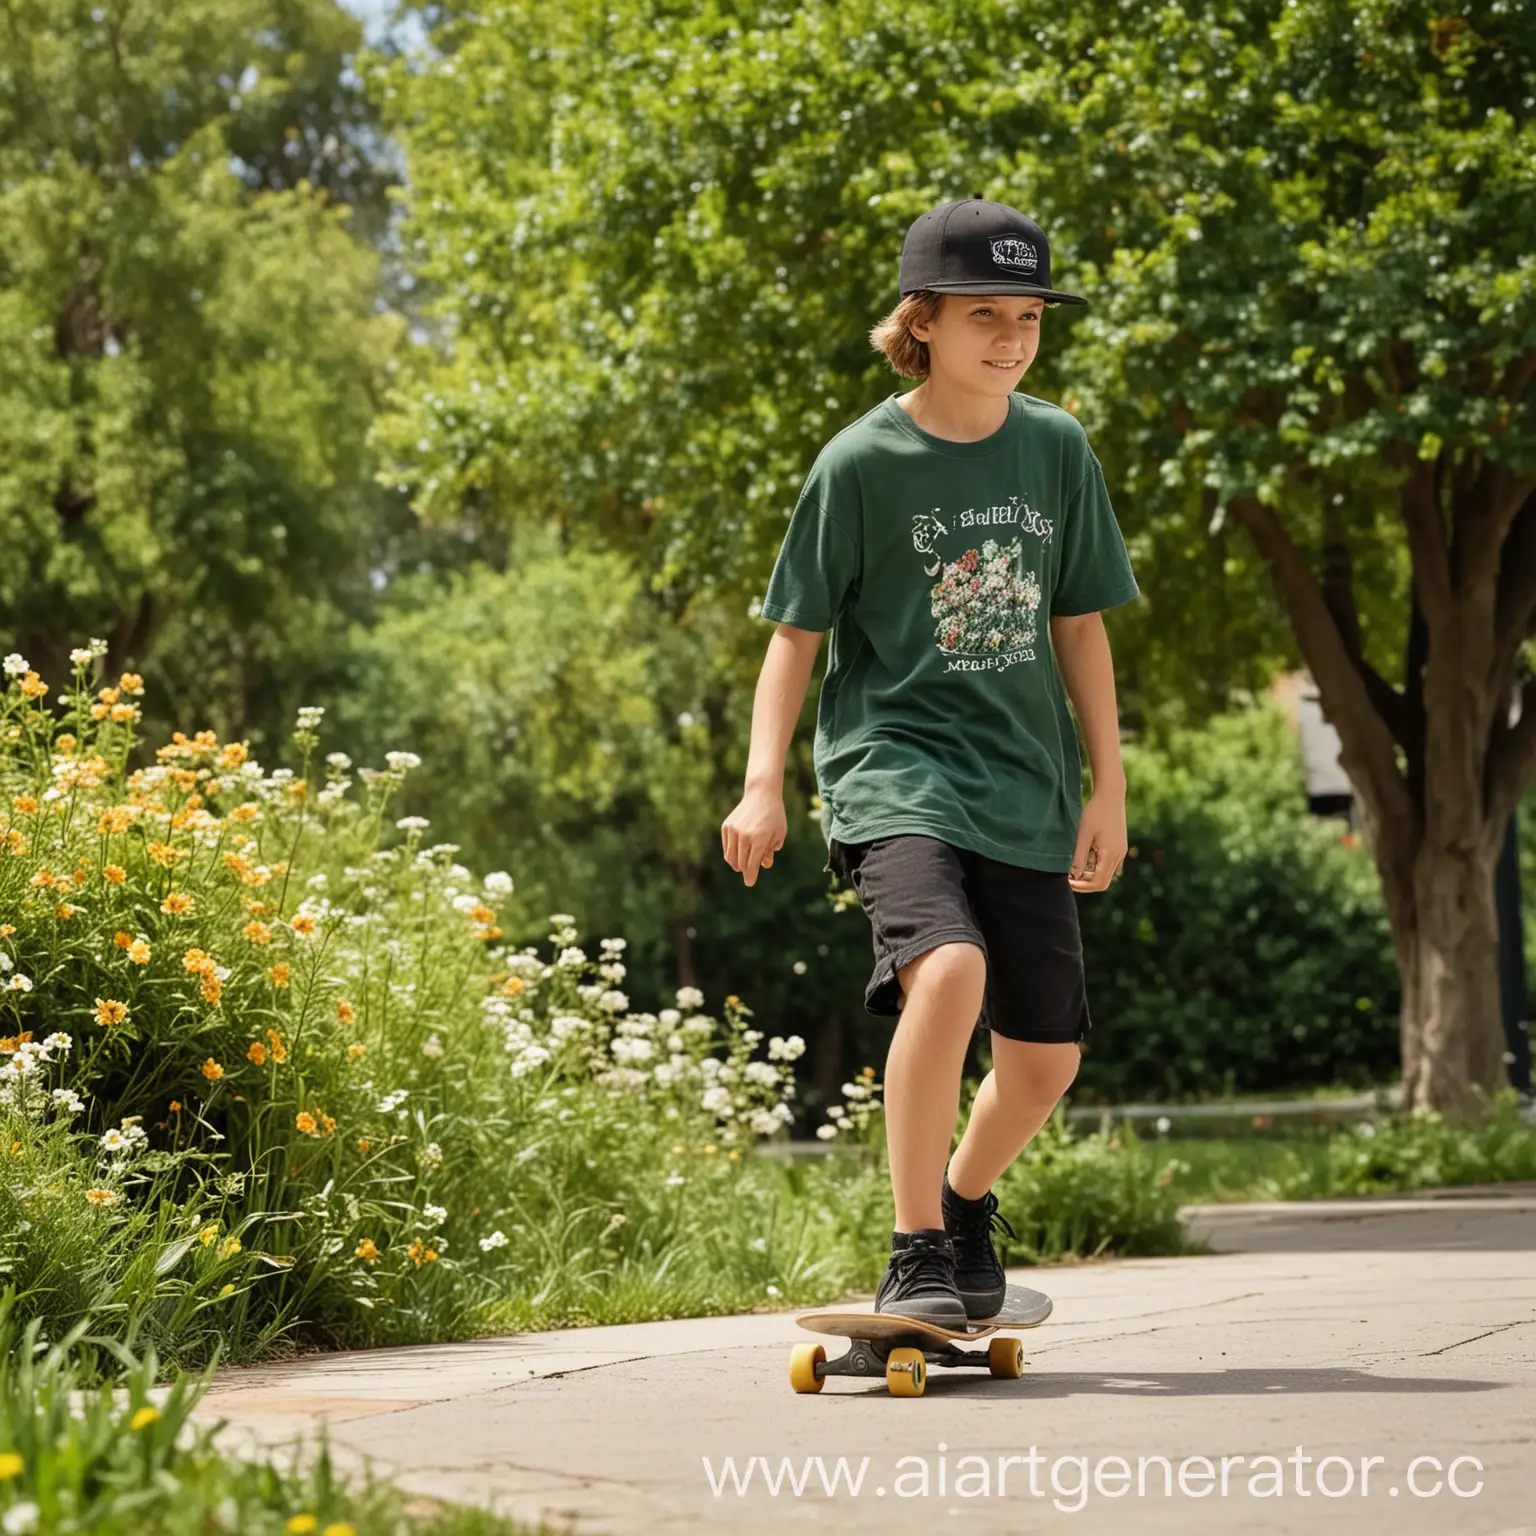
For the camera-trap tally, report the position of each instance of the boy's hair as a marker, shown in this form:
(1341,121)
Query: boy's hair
(893,335)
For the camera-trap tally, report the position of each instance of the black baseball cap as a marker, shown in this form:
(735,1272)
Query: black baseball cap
(978,246)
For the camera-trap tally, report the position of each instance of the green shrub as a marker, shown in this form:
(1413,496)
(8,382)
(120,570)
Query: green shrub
(1245,948)
(1419,1150)
(126,1459)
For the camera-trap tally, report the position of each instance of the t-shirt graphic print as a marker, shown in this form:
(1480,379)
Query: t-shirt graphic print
(937,565)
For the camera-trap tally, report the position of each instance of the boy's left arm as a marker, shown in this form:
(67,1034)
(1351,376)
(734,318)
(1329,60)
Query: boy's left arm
(1082,655)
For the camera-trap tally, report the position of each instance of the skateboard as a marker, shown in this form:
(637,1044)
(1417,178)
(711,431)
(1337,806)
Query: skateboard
(901,1348)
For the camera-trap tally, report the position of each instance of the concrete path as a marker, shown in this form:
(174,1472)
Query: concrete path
(1358,1335)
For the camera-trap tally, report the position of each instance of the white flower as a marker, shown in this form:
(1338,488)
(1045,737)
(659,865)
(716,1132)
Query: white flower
(673,1180)
(780,1049)
(20,1518)
(798,967)
(759,1245)
(763,1121)
(763,1072)
(773,1290)
(113,1141)
(400,762)
(59,1041)
(6,963)
(1163,1125)
(613,1002)
(19,983)
(689,997)
(338,760)
(669,1018)
(855,1091)
(573,955)
(1366,1129)
(412,823)
(310,717)
(433,1215)
(16,664)
(498,883)
(433,1153)
(826,1132)
(497,1239)
(79,657)
(432,1046)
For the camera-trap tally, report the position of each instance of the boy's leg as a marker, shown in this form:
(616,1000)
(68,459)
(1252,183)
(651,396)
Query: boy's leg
(1014,1100)
(942,996)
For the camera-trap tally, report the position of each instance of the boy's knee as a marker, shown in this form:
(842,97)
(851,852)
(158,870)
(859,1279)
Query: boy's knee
(956,963)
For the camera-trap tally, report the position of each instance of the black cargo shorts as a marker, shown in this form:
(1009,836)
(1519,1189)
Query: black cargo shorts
(920,891)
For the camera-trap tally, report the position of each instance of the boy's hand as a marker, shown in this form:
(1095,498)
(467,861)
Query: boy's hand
(754,832)
(1101,842)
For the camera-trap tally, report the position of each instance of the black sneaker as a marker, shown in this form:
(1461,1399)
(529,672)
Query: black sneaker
(919,1282)
(979,1276)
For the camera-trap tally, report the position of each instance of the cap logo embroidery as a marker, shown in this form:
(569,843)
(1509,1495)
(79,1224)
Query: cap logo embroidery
(1010,251)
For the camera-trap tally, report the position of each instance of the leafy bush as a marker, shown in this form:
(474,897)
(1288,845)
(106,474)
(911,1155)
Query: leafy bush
(78,1460)
(1419,1150)
(1245,947)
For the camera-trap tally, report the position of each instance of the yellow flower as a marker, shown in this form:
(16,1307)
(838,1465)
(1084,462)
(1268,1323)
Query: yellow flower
(257,933)
(212,1070)
(165,855)
(229,1247)
(144,1417)
(514,986)
(138,952)
(114,874)
(257,1052)
(131,682)
(305,1122)
(109,1011)
(175,1106)
(328,1122)
(368,1250)
(279,1050)
(208,1233)
(122,940)
(301,1525)
(338,1528)
(354,1051)
(196,960)
(302,922)
(708,1151)
(67,910)
(25,804)
(213,988)
(734,1154)
(11,1465)
(34,688)
(102,1196)
(345,1011)
(227,1290)
(177,904)
(280,973)
(362,1143)
(233,755)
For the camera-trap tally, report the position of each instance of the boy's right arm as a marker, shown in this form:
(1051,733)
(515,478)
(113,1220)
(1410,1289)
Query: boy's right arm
(755,829)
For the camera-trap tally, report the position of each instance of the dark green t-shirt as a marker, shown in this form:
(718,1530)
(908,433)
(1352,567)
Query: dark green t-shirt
(937,565)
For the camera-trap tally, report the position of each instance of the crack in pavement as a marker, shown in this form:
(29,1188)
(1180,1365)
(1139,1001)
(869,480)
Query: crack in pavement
(1524,1322)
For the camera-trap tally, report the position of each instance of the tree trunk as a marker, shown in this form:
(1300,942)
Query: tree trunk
(1451,1029)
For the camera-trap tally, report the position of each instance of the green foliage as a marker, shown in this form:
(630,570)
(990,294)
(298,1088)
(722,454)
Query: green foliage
(190,348)
(1420,1150)
(127,1459)
(1245,947)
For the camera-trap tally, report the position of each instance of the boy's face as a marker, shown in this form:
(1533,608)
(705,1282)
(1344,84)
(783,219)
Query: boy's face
(982,343)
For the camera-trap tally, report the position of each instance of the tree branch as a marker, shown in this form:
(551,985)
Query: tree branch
(1366,740)
(1426,535)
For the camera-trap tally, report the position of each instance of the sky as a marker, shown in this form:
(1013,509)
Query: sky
(372,11)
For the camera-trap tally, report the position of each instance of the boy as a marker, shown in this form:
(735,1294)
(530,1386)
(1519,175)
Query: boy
(928,537)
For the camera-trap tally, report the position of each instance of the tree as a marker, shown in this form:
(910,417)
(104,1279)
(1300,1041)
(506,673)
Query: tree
(1307,233)
(189,347)
(1302,230)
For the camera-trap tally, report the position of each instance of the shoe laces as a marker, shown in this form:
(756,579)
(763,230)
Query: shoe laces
(975,1232)
(924,1259)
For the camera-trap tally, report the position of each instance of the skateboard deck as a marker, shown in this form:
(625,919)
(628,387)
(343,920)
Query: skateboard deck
(901,1348)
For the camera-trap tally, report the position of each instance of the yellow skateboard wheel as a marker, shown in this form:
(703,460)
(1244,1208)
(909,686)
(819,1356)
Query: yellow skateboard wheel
(802,1367)
(906,1373)
(1005,1357)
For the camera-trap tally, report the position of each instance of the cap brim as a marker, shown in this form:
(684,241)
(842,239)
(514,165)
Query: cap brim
(1023,290)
